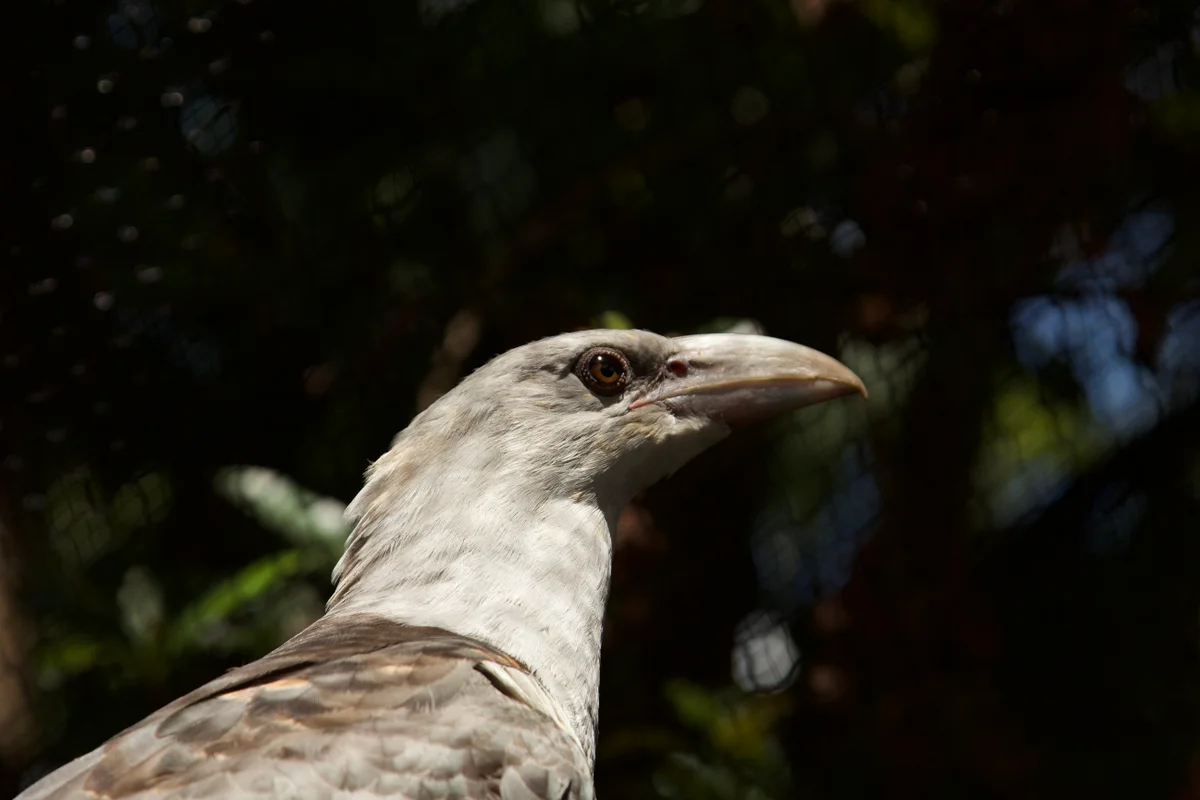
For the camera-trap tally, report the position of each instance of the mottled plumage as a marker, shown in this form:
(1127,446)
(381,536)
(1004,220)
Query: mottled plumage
(459,656)
(361,708)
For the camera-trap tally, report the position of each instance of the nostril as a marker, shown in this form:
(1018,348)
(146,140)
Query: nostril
(677,367)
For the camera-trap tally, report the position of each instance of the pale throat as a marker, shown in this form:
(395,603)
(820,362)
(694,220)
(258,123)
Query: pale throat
(492,555)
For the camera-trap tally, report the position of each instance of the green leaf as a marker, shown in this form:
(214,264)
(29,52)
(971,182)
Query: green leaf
(141,502)
(695,706)
(231,595)
(301,516)
(65,657)
(140,599)
(912,22)
(614,320)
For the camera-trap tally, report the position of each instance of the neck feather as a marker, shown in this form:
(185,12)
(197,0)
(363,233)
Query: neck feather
(480,545)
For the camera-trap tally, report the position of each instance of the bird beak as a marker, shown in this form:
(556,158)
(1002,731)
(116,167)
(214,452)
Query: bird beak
(739,379)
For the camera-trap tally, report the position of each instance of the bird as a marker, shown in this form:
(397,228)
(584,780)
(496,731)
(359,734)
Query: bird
(459,653)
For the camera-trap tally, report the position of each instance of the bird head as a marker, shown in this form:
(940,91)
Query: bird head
(608,412)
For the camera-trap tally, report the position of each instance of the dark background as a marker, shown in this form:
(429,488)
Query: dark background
(245,241)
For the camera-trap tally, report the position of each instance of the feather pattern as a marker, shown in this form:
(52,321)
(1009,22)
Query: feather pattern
(364,708)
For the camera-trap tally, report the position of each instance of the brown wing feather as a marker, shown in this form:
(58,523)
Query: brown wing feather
(361,708)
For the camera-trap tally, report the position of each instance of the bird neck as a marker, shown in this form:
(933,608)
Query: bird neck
(492,554)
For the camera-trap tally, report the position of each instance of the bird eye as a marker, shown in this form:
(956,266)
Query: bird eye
(604,370)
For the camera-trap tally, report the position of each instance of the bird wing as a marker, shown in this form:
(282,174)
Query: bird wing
(362,708)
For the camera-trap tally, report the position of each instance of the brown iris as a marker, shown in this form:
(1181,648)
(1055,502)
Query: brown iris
(604,370)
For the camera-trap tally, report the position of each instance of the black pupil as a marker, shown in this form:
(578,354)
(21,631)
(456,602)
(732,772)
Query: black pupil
(606,369)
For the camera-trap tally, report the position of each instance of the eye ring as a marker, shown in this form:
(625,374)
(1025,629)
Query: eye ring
(604,371)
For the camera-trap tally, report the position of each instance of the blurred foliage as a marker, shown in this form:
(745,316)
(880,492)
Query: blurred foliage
(259,601)
(264,233)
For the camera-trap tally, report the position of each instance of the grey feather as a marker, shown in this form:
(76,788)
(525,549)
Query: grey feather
(365,708)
